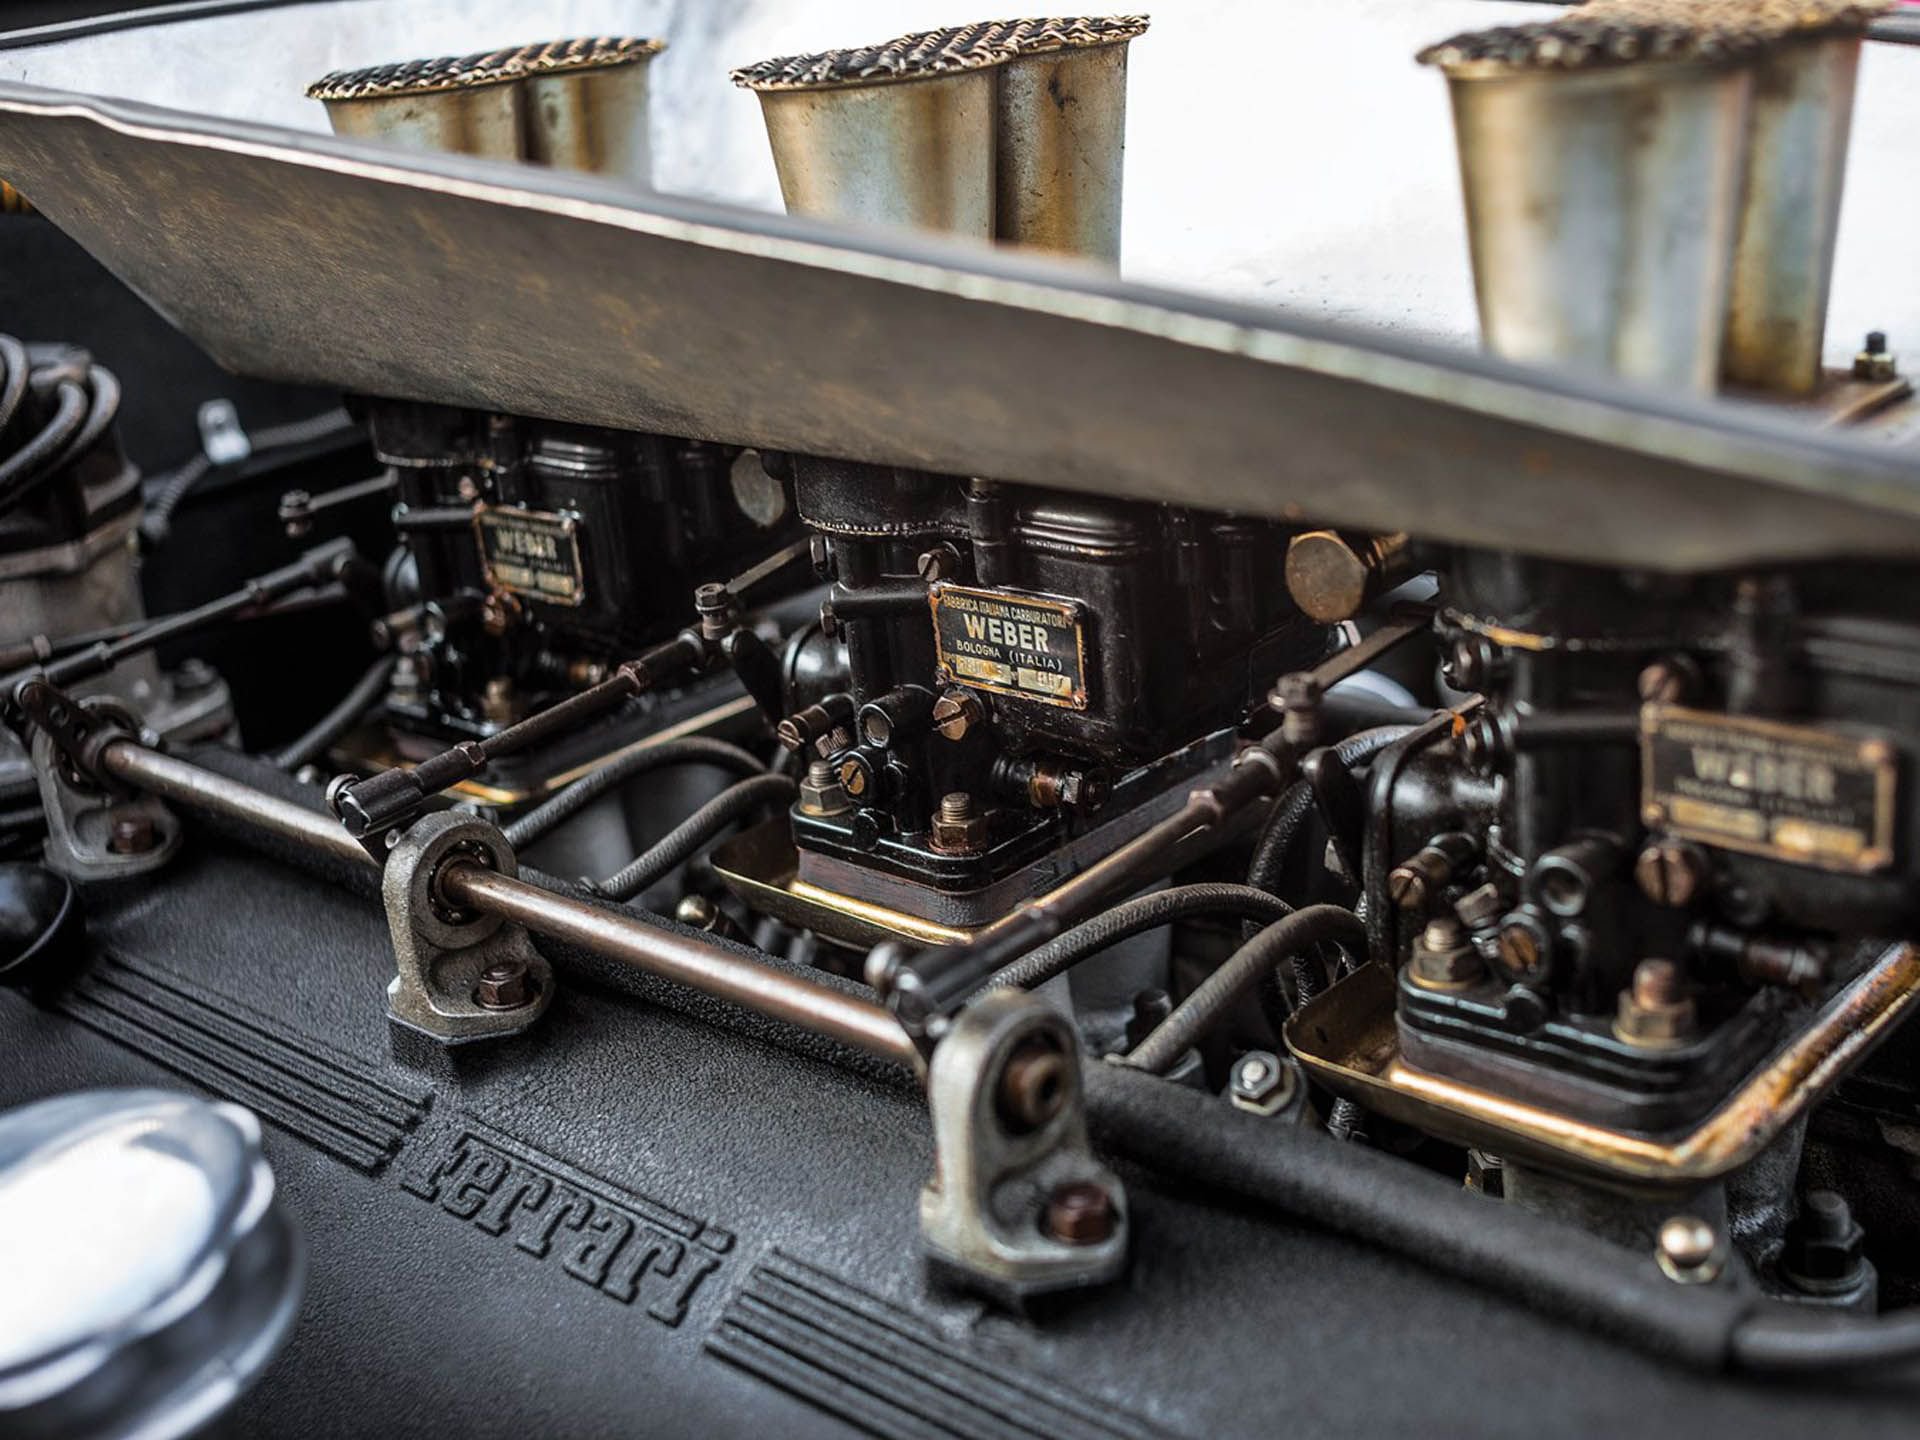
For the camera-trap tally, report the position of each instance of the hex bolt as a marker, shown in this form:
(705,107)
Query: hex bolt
(823,792)
(1824,1251)
(1656,982)
(1443,956)
(1297,697)
(131,832)
(1261,1082)
(1874,362)
(1670,872)
(504,986)
(1689,1250)
(717,608)
(1033,1084)
(1655,1010)
(959,828)
(1079,1212)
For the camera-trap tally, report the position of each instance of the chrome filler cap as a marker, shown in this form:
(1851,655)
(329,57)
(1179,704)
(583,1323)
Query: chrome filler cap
(150,1273)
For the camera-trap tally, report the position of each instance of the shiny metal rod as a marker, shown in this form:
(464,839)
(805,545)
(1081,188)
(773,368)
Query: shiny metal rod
(194,788)
(697,964)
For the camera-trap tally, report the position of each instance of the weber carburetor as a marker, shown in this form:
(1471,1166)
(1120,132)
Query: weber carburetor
(1031,676)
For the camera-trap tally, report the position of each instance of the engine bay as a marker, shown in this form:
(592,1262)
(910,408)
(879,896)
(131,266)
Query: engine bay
(846,821)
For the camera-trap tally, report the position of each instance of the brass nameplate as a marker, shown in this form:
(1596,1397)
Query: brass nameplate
(1806,796)
(535,553)
(1030,646)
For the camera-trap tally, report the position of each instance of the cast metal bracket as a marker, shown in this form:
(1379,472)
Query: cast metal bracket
(94,830)
(1017,1205)
(460,977)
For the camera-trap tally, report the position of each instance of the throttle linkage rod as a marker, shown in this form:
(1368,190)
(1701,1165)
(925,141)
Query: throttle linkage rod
(70,660)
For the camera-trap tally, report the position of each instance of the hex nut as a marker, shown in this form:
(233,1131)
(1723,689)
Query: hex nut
(1262,1082)
(1080,1213)
(959,828)
(506,986)
(1655,1012)
(131,832)
(1444,957)
(821,792)
(1824,1250)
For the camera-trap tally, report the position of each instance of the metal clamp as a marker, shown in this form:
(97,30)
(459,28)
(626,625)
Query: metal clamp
(1018,1205)
(461,977)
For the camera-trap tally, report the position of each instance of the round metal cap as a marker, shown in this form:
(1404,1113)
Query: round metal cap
(150,1274)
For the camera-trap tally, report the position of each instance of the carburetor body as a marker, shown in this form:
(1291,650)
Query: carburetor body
(1024,669)
(535,556)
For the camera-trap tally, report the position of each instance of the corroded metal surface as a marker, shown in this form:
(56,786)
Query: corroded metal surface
(1060,145)
(314,259)
(1799,119)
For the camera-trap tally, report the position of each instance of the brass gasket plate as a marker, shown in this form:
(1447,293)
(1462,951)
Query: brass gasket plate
(1346,1039)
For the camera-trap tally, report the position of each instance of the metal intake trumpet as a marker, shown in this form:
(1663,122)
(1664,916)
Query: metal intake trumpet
(1009,130)
(1653,186)
(570,104)
(466,105)
(1798,125)
(1601,164)
(1062,135)
(899,134)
